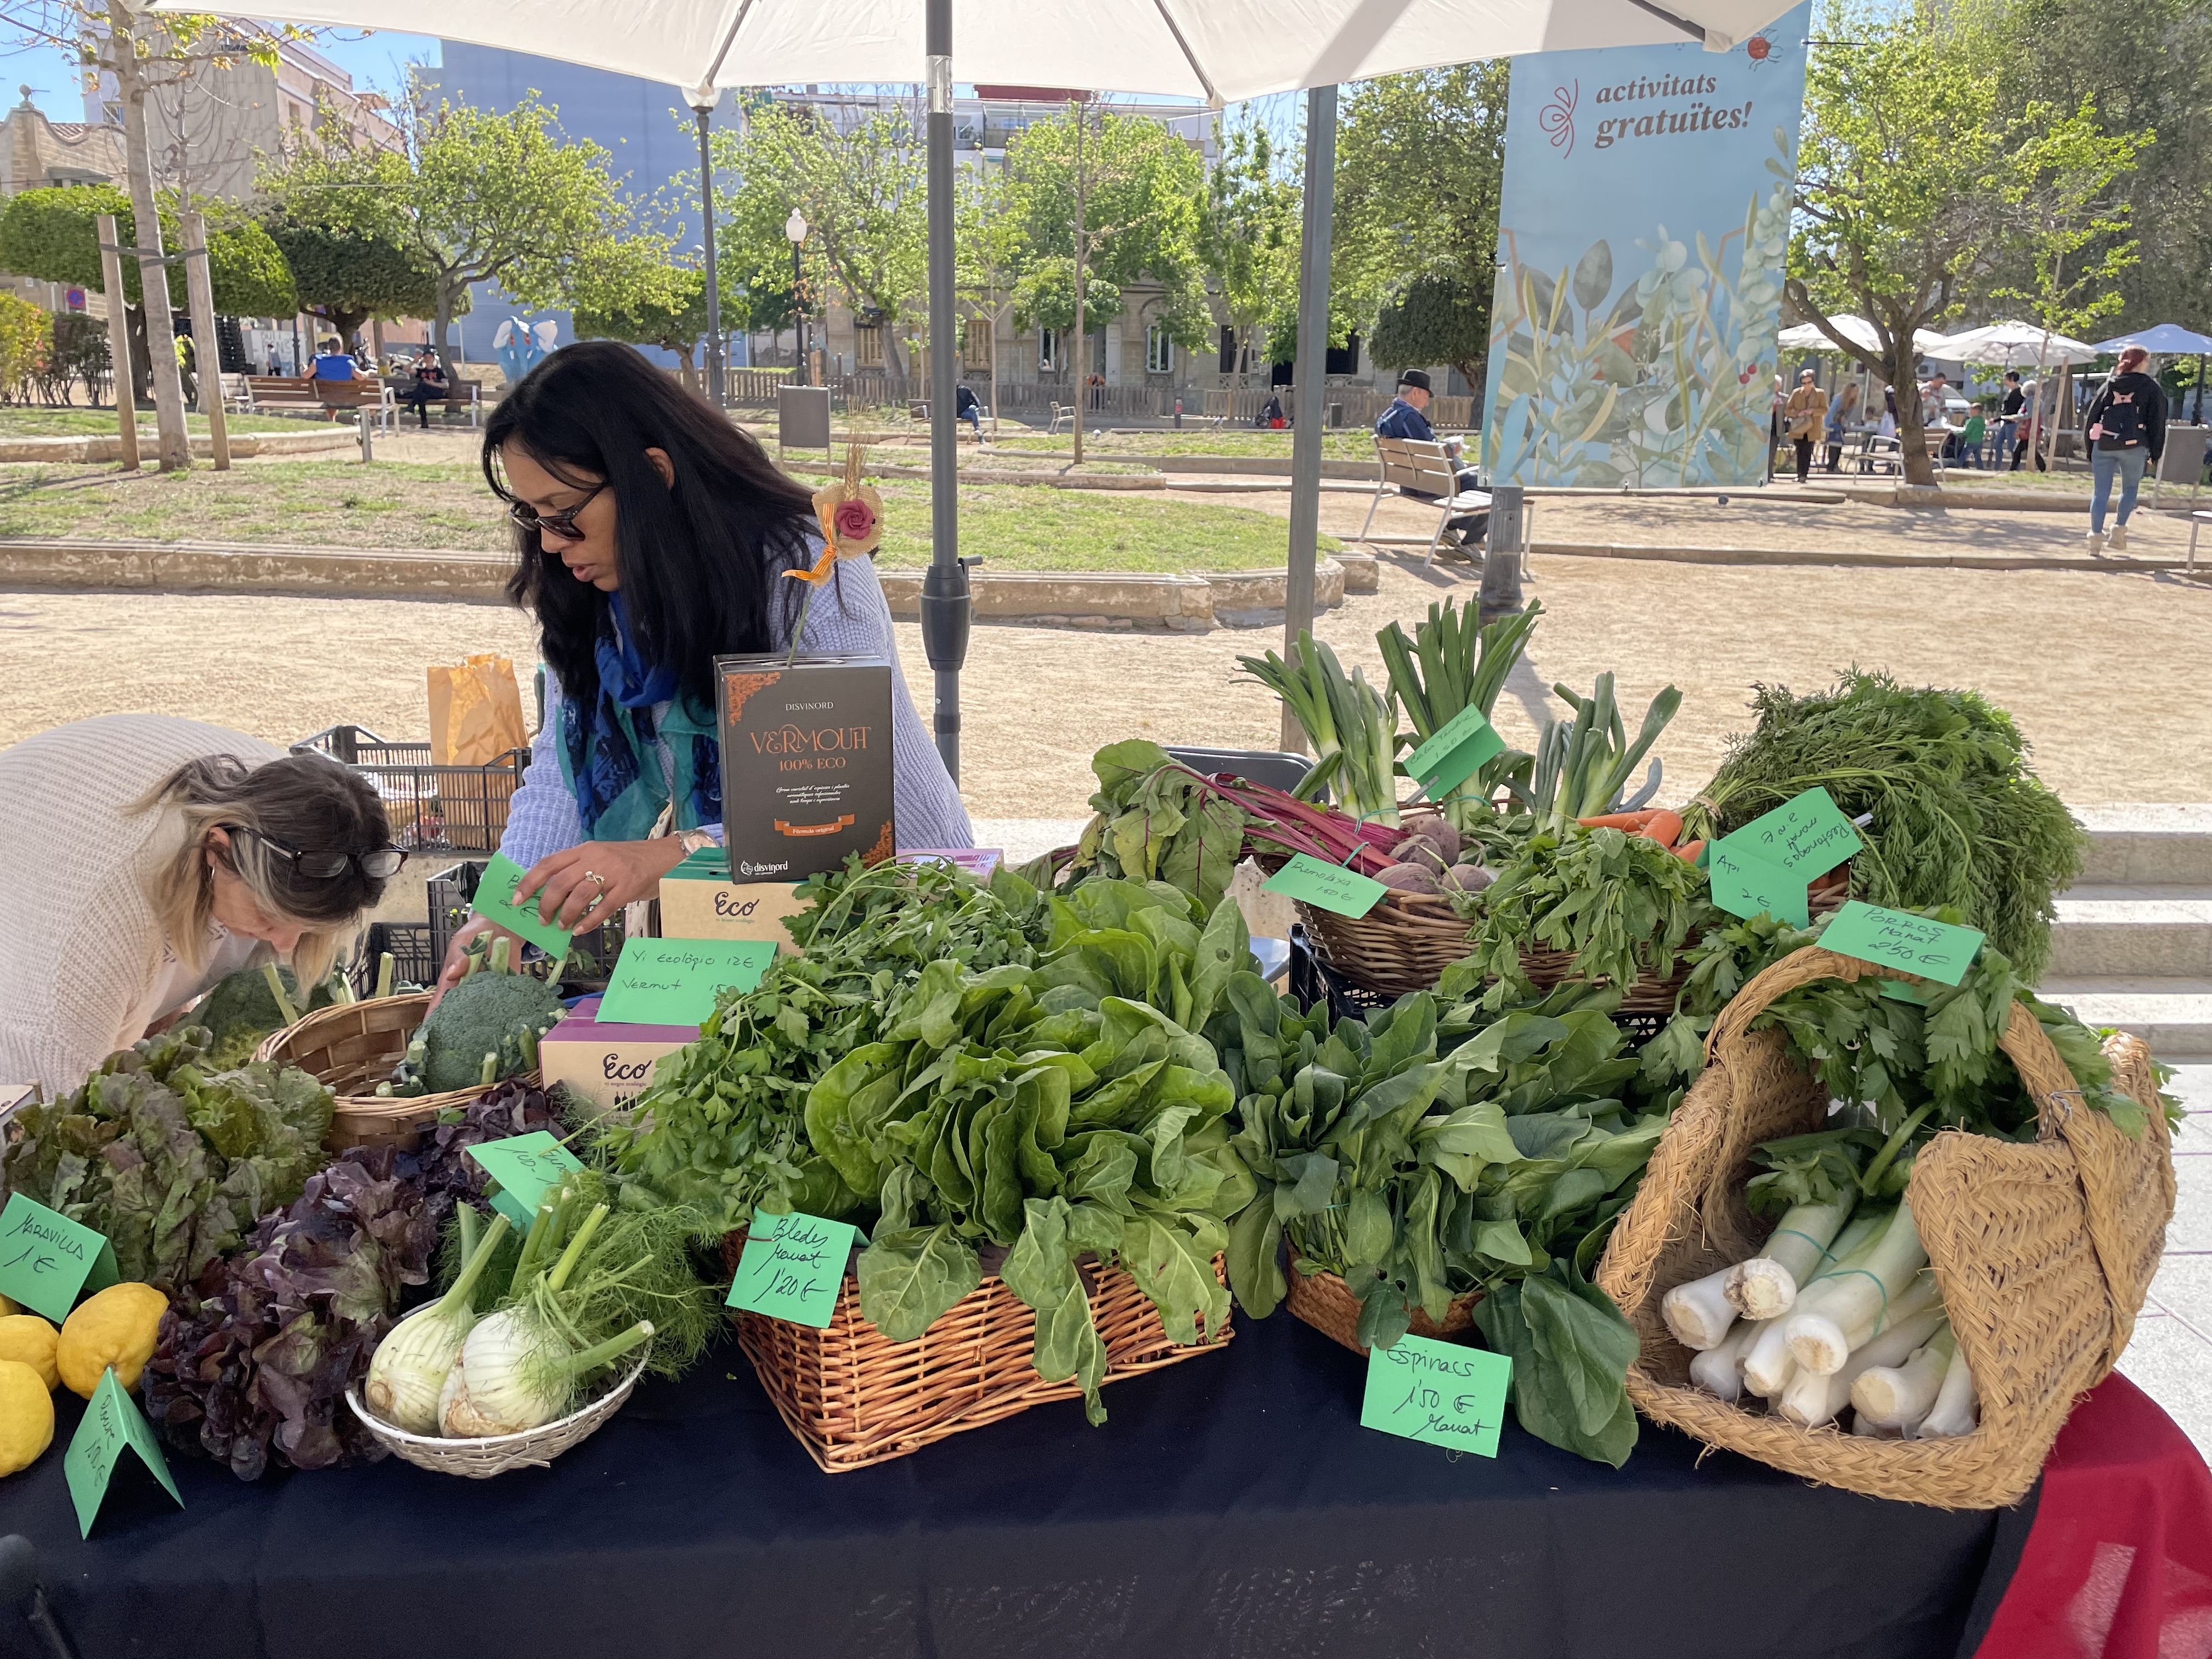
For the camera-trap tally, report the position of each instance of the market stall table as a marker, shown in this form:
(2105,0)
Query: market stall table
(1232,1505)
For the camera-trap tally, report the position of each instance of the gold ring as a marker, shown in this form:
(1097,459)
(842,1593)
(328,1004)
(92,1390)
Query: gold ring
(595,876)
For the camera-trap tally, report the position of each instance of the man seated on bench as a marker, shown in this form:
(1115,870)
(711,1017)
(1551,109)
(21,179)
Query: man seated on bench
(1408,417)
(331,364)
(966,406)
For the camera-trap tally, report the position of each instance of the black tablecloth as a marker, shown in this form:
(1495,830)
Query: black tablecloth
(1232,1505)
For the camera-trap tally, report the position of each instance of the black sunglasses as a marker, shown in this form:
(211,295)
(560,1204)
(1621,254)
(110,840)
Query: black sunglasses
(561,524)
(379,864)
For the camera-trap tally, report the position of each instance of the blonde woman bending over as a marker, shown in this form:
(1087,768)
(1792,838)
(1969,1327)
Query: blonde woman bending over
(145,857)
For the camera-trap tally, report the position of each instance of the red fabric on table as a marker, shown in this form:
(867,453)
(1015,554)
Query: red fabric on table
(2119,1563)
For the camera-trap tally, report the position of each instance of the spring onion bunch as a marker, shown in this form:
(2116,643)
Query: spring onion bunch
(1450,665)
(1581,767)
(1351,725)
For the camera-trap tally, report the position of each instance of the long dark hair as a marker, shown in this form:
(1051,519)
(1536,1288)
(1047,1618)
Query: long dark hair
(700,561)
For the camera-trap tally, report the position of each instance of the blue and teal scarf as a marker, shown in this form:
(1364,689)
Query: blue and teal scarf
(607,749)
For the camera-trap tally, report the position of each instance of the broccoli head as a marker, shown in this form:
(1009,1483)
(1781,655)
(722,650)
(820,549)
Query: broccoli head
(241,1010)
(486,1013)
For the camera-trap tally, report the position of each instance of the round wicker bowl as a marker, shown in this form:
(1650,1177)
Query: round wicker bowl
(481,1457)
(350,1047)
(1325,1302)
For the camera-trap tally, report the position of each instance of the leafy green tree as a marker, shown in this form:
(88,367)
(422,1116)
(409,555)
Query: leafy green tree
(1420,158)
(53,234)
(1914,184)
(346,277)
(990,249)
(476,197)
(638,296)
(1249,238)
(1119,198)
(2144,66)
(861,194)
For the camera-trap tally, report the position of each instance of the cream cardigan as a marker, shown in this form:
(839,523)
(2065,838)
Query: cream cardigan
(83,958)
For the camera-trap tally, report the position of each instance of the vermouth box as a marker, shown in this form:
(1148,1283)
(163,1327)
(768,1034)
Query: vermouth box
(806,763)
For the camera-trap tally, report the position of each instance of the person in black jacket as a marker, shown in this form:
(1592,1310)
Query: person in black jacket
(2126,431)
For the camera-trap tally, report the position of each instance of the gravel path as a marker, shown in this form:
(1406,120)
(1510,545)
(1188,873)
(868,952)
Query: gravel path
(2094,667)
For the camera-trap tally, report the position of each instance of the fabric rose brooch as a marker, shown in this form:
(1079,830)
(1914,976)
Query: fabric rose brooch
(851,515)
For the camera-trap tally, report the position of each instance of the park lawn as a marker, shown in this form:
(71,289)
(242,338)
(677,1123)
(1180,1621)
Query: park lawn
(36,420)
(445,506)
(1356,444)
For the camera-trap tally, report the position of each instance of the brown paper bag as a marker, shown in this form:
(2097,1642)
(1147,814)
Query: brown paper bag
(476,711)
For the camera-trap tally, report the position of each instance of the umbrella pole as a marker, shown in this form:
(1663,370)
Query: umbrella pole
(946,602)
(1312,373)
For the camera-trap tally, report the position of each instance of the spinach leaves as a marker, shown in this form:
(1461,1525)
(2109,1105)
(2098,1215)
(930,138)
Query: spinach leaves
(1418,1176)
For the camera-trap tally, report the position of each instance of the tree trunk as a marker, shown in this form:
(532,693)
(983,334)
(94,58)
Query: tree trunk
(441,324)
(142,389)
(173,447)
(1899,369)
(1082,253)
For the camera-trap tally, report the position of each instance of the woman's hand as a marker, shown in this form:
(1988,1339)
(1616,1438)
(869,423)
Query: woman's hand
(589,883)
(449,975)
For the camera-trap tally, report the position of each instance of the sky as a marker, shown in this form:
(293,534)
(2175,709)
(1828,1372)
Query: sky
(377,61)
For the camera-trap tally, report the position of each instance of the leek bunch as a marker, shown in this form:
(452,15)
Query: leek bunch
(1450,665)
(1581,767)
(1351,726)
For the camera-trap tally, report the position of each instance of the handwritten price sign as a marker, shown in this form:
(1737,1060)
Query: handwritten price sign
(1744,885)
(1807,835)
(674,982)
(1437,1392)
(1327,886)
(1891,939)
(792,1267)
(111,1426)
(47,1260)
(1454,754)
(524,1166)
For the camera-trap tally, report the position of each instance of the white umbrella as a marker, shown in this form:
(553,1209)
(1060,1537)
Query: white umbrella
(1807,336)
(1216,50)
(2012,345)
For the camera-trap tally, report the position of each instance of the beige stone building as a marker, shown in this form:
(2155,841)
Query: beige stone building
(38,153)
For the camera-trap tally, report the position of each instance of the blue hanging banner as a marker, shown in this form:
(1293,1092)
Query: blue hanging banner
(1641,233)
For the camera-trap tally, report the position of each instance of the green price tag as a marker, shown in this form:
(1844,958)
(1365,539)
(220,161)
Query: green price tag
(524,1166)
(1325,886)
(1454,754)
(494,900)
(1746,884)
(1438,1392)
(1807,835)
(791,1267)
(111,1426)
(674,982)
(47,1260)
(1892,939)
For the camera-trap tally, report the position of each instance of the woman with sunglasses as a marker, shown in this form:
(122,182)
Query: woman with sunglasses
(652,536)
(153,856)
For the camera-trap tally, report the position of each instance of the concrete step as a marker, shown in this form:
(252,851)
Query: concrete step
(2173,1015)
(2162,843)
(2150,929)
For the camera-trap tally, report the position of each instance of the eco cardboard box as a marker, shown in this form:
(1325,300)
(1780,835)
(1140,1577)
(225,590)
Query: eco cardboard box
(698,900)
(607,1065)
(806,763)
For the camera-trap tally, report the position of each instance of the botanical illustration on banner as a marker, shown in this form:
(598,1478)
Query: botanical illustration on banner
(1642,233)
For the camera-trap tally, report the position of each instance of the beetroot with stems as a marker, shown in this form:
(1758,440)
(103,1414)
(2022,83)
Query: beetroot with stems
(1407,877)
(1440,835)
(1466,878)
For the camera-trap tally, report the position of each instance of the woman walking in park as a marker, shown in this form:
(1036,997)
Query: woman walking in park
(1804,413)
(2126,430)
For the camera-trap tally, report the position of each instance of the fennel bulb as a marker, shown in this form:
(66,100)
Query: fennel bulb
(516,1372)
(410,1365)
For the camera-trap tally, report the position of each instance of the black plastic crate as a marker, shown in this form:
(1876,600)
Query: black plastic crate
(591,954)
(1313,981)
(413,961)
(455,809)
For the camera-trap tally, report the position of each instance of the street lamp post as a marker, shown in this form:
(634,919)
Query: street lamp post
(795,228)
(702,99)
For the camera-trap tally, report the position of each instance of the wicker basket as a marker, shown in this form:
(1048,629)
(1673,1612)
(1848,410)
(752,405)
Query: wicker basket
(1325,1302)
(481,1457)
(1404,944)
(352,1047)
(2042,1252)
(854,1397)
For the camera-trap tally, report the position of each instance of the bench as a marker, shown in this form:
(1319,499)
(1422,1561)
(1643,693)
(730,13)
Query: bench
(1424,472)
(1062,414)
(466,398)
(290,394)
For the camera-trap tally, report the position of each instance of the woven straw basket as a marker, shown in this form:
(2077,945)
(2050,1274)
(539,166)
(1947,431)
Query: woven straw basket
(481,1457)
(1324,1301)
(1404,944)
(855,1397)
(350,1047)
(2042,1252)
